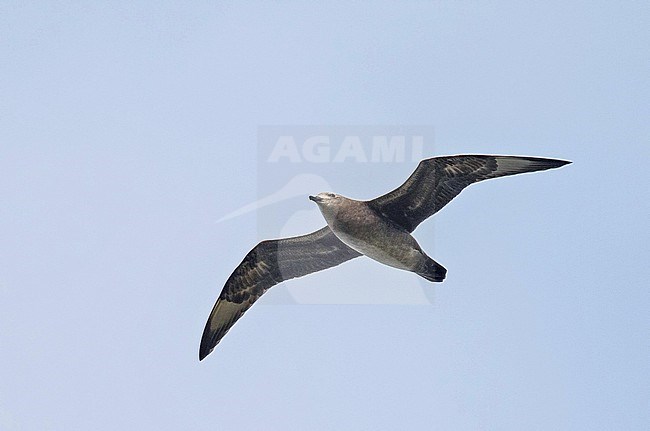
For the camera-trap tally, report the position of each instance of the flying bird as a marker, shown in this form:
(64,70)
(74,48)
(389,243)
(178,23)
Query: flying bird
(379,229)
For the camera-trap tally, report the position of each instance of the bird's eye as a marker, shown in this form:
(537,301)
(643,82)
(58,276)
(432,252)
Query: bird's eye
(331,195)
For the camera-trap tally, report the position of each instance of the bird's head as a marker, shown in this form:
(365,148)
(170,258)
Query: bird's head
(330,205)
(326,199)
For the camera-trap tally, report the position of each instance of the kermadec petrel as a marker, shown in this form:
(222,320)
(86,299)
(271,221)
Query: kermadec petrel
(380,229)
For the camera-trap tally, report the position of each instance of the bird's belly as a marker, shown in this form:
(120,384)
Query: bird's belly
(389,251)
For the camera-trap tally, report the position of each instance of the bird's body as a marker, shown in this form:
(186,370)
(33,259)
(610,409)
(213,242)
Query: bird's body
(370,233)
(380,229)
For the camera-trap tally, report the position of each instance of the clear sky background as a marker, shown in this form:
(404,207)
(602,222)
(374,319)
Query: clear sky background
(127,129)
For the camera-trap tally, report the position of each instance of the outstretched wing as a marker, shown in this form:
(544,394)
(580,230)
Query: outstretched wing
(266,265)
(436,181)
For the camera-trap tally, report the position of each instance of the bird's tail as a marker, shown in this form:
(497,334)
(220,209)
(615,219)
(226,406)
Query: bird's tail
(431,270)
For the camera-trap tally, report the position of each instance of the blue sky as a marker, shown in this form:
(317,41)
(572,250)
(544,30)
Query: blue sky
(127,130)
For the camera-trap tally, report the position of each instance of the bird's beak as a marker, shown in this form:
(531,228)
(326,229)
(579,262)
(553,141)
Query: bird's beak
(315,199)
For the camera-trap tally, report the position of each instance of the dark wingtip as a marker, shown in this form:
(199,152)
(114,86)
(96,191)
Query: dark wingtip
(204,351)
(206,346)
(563,162)
(549,163)
(542,163)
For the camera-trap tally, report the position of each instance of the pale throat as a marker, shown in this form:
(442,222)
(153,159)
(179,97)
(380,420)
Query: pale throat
(329,213)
